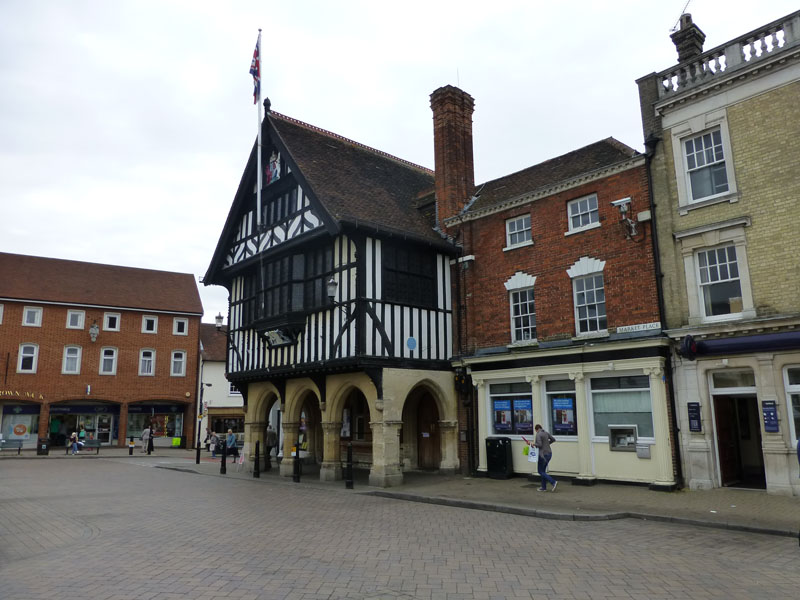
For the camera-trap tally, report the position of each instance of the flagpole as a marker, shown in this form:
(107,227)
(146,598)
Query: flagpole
(258,166)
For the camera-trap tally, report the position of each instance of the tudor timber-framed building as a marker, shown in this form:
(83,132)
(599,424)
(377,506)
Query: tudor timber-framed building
(340,305)
(722,129)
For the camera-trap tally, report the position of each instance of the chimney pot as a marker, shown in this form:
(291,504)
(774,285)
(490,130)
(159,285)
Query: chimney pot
(688,39)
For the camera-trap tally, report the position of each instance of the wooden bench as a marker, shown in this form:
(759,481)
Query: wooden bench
(86,445)
(10,444)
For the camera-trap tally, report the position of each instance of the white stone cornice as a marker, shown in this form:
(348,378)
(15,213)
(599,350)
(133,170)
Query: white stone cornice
(586,266)
(519,280)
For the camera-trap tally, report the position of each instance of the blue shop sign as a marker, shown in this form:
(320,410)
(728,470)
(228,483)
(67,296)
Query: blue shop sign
(695,424)
(21,409)
(84,409)
(770,411)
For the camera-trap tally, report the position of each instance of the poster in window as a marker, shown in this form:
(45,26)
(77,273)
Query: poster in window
(502,416)
(523,416)
(563,415)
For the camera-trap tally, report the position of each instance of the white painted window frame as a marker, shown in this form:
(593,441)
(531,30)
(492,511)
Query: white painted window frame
(147,319)
(182,363)
(114,358)
(36,311)
(1,314)
(22,355)
(700,284)
(714,235)
(64,363)
(790,390)
(80,314)
(692,128)
(513,221)
(519,282)
(152,372)
(591,224)
(176,322)
(583,268)
(106,317)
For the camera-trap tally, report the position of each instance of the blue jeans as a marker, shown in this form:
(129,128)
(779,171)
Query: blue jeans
(544,460)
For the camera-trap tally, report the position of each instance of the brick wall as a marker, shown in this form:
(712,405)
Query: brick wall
(629,275)
(48,385)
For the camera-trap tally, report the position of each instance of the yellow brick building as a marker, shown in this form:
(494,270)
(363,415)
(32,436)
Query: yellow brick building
(722,130)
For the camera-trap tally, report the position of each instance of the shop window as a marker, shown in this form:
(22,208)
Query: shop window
(72,360)
(220,425)
(162,420)
(512,408)
(560,395)
(32,316)
(75,319)
(622,401)
(792,382)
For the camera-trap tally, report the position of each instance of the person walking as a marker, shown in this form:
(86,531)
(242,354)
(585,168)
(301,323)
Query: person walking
(230,444)
(214,440)
(542,441)
(146,438)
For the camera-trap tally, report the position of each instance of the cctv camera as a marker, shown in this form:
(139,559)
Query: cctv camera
(623,204)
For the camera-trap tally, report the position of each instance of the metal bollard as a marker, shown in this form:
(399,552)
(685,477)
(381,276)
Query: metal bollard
(296,464)
(131,445)
(222,468)
(150,444)
(348,475)
(256,470)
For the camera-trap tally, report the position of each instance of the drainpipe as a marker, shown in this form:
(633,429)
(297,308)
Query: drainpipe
(650,148)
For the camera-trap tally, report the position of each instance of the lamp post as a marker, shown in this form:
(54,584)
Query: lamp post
(203,386)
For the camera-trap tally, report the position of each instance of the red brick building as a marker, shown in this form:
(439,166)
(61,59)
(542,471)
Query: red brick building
(558,309)
(110,348)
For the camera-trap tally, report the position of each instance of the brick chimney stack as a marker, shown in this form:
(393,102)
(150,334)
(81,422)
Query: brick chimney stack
(452,141)
(688,39)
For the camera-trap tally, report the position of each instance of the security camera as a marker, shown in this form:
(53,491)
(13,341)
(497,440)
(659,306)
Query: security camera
(623,205)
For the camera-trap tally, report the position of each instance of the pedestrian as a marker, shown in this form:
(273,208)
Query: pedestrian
(214,442)
(271,440)
(146,433)
(230,444)
(542,441)
(73,440)
(81,434)
(207,441)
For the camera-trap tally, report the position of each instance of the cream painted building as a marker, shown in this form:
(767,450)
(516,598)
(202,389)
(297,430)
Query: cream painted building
(722,129)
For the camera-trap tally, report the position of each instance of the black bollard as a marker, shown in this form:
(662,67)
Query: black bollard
(150,444)
(130,447)
(222,468)
(296,464)
(256,470)
(348,476)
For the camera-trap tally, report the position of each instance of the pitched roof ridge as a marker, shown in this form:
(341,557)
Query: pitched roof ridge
(77,263)
(616,144)
(341,138)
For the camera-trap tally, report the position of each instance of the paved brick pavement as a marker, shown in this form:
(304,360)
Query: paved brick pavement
(118,528)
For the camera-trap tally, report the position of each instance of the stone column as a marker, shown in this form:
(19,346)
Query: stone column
(448,438)
(586,474)
(254,432)
(664,476)
(331,467)
(774,448)
(290,431)
(386,469)
(697,455)
(122,427)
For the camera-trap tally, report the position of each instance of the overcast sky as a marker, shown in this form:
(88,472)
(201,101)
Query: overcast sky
(125,125)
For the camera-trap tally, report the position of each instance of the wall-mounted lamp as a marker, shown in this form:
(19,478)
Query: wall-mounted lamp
(218,321)
(94,331)
(624,206)
(331,287)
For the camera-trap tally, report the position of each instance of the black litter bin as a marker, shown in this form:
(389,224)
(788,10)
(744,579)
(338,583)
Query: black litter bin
(499,464)
(43,447)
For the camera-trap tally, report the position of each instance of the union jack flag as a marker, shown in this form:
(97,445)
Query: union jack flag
(255,70)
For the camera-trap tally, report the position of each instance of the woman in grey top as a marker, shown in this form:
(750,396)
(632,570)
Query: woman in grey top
(542,442)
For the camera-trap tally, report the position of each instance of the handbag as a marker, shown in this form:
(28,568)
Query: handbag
(533,454)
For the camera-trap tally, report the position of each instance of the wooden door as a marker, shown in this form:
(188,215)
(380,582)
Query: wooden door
(727,440)
(428,445)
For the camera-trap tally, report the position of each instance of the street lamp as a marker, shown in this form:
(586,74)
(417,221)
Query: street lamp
(203,386)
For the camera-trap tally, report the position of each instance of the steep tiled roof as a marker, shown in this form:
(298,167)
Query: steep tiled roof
(42,279)
(215,344)
(355,183)
(584,160)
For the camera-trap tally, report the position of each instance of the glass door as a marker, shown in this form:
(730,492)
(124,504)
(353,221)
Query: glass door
(104,425)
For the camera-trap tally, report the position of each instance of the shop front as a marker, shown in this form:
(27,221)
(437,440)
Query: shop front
(20,422)
(164,419)
(100,421)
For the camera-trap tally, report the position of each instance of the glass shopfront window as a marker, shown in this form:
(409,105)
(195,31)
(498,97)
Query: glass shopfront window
(561,406)
(512,410)
(164,420)
(622,401)
(20,422)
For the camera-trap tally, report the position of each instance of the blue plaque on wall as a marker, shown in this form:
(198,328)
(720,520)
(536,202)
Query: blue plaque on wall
(770,411)
(695,424)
